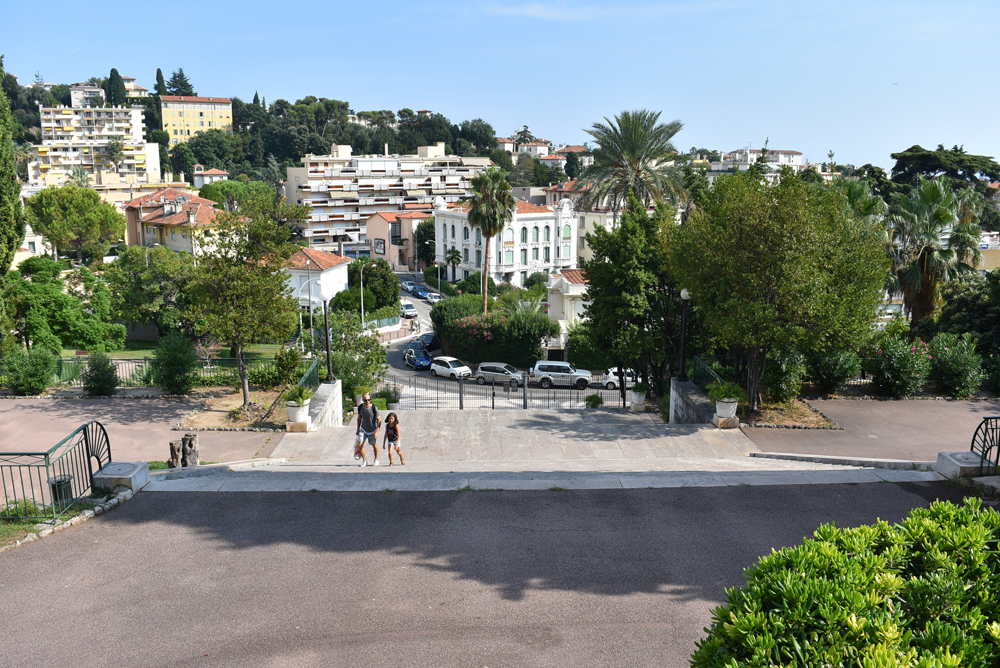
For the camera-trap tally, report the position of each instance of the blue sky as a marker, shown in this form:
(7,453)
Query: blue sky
(864,79)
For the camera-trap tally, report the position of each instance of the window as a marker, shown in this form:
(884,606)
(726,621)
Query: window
(479,258)
(534,234)
(547,235)
(479,237)
(524,276)
(547,253)
(524,256)
(465,255)
(565,253)
(508,235)
(31,246)
(465,272)
(567,232)
(452,231)
(557,252)
(534,253)
(583,242)
(465,234)
(395,233)
(583,222)
(524,235)
(201,123)
(508,257)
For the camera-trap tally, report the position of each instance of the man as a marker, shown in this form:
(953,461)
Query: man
(368,424)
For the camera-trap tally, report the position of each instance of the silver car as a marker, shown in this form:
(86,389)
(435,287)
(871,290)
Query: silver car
(548,373)
(499,373)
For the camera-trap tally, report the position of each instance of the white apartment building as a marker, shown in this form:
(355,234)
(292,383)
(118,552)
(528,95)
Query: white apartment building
(776,158)
(86,95)
(538,238)
(535,149)
(79,136)
(345,190)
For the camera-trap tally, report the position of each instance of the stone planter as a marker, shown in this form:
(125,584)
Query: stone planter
(391,406)
(298,413)
(638,402)
(726,408)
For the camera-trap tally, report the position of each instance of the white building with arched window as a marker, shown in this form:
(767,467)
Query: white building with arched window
(539,238)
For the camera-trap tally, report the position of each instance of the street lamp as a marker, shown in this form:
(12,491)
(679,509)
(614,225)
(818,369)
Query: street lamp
(436,262)
(361,280)
(299,297)
(685,298)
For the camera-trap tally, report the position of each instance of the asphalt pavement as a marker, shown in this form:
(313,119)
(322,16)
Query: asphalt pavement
(548,578)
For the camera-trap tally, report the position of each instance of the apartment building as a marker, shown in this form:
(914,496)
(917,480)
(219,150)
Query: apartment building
(536,149)
(345,190)
(554,160)
(582,152)
(745,157)
(86,95)
(538,238)
(393,235)
(185,116)
(80,136)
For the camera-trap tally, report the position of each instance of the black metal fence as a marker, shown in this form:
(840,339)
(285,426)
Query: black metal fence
(137,373)
(466,394)
(44,485)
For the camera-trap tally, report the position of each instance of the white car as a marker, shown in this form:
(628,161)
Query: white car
(433,298)
(547,373)
(450,367)
(407,285)
(408,310)
(611,378)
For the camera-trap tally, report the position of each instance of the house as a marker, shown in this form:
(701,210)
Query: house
(582,152)
(132,89)
(535,149)
(32,246)
(185,116)
(567,299)
(170,218)
(538,238)
(426,113)
(557,192)
(204,177)
(533,194)
(327,273)
(85,95)
(505,144)
(744,157)
(554,160)
(392,235)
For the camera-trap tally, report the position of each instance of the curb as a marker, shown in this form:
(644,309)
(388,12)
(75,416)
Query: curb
(119,398)
(210,469)
(863,462)
(837,397)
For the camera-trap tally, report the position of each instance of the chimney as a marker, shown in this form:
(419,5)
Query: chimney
(190,213)
(340,247)
(387,149)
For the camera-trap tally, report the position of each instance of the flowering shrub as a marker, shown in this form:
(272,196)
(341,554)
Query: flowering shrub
(956,368)
(831,371)
(900,367)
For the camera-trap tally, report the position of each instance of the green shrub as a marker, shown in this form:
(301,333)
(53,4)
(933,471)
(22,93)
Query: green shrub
(956,368)
(900,368)
(286,363)
(641,388)
(100,378)
(584,351)
(593,401)
(299,394)
(221,378)
(783,374)
(29,373)
(360,390)
(389,393)
(141,376)
(21,508)
(918,594)
(991,367)
(347,300)
(513,338)
(473,285)
(831,371)
(537,278)
(445,288)
(719,391)
(174,364)
(379,403)
(264,375)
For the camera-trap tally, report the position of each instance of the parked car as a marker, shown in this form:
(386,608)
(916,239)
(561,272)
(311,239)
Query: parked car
(611,378)
(418,358)
(547,374)
(419,291)
(498,372)
(430,340)
(450,367)
(409,310)
(407,285)
(433,297)
(415,344)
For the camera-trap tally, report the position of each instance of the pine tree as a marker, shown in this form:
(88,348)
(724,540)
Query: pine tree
(116,96)
(11,215)
(256,98)
(179,84)
(161,85)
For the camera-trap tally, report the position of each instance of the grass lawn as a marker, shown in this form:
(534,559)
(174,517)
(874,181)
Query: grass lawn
(140,349)
(12,530)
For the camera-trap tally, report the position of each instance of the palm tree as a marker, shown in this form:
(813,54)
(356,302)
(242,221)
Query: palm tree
(491,208)
(454,258)
(23,153)
(116,150)
(634,153)
(934,238)
(79,176)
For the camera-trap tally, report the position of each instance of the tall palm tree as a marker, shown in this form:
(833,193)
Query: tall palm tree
(79,176)
(934,238)
(23,153)
(453,257)
(634,153)
(491,208)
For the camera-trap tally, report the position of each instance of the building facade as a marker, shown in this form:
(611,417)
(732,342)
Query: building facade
(86,95)
(132,89)
(537,239)
(345,190)
(171,218)
(567,300)
(535,149)
(393,234)
(325,273)
(582,152)
(204,176)
(185,116)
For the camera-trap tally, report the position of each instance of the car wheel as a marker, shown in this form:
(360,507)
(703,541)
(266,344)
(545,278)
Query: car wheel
(545,383)
(610,385)
(454,376)
(433,372)
(480,380)
(582,384)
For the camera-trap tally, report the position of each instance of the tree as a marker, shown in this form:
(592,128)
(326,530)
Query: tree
(161,86)
(480,134)
(572,164)
(212,148)
(523,174)
(423,239)
(183,161)
(23,154)
(115,94)
(490,210)
(501,159)
(930,243)
(350,300)
(256,98)
(523,135)
(149,286)
(358,357)
(78,176)
(810,175)
(454,258)
(11,214)
(116,150)
(179,84)
(239,291)
(635,155)
(772,265)
(379,278)
(75,217)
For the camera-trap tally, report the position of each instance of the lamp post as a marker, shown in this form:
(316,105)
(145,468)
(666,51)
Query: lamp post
(427,243)
(312,330)
(361,280)
(685,298)
(298,296)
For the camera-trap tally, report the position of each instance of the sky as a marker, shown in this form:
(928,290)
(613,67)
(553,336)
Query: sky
(863,79)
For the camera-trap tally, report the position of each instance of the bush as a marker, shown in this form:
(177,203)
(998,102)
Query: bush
(100,378)
(920,593)
(141,376)
(512,338)
(299,394)
(783,374)
(956,368)
(286,363)
(389,393)
(584,352)
(537,278)
(445,288)
(593,401)
(831,371)
(379,403)
(29,373)
(345,300)
(719,391)
(899,367)
(473,285)
(264,375)
(174,364)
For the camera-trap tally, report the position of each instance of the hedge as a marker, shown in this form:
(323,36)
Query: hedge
(922,593)
(445,288)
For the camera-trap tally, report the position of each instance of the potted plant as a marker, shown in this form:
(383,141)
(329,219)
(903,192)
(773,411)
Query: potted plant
(360,391)
(297,401)
(391,396)
(593,401)
(639,391)
(727,396)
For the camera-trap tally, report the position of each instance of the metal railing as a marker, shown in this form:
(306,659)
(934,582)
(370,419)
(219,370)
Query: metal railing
(704,370)
(44,485)
(986,444)
(137,373)
(310,378)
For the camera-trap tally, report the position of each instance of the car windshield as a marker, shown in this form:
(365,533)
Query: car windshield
(572,369)
(454,364)
(421,354)
(508,368)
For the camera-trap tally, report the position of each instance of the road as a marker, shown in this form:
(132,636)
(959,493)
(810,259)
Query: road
(480,578)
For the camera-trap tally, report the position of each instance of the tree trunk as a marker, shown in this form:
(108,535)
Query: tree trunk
(176,454)
(486,274)
(190,451)
(79,254)
(241,365)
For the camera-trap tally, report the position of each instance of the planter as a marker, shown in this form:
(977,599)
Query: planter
(638,402)
(389,406)
(357,399)
(298,413)
(726,408)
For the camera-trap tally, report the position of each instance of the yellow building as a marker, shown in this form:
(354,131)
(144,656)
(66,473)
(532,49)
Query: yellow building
(183,116)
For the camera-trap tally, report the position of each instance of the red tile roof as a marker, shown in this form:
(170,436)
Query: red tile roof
(553,157)
(522,207)
(577,276)
(504,140)
(533,143)
(576,148)
(563,187)
(185,98)
(415,205)
(214,171)
(319,259)
(168,194)
(204,215)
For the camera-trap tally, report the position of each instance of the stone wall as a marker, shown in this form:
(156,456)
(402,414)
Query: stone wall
(327,406)
(688,404)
